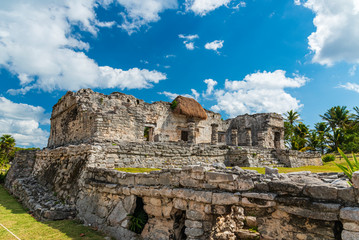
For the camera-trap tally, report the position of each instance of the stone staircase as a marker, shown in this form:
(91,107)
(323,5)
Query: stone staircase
(42,203)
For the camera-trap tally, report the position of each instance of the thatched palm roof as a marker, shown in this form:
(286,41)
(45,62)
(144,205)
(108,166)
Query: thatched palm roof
(189,107)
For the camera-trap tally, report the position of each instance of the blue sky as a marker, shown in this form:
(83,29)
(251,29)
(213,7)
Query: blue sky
(233,56)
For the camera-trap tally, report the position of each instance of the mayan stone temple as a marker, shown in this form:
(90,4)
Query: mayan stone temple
(200,191)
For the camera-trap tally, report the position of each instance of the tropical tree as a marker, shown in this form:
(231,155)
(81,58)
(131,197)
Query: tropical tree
(7,147)
(322,130)
(337,117)
(299,139)
(291,118)
(335,139)
(314,142)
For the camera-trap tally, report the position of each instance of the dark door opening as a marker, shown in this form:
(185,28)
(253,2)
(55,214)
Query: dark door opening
(277,140)
(184,136)
(148,134)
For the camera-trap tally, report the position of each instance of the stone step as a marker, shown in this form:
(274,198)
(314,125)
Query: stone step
(41,202)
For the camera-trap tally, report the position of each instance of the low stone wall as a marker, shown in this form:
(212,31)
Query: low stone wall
(293,158)
(156,155)
(222,204)
(195,202)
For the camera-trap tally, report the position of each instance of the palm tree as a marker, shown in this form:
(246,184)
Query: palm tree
(291,117)
(313,140)
(299,139)
(322,129)
(337,117)
(7,145)
(336,138)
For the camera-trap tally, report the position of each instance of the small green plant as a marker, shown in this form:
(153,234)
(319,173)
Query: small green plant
(114,144)
(138,221)
(174,104)
(254,154)
(101,100)
(328,158)
(350,168)
(253,229)
(2,176)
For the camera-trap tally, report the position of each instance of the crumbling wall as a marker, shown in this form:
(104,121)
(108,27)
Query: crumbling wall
(196,202)
(155,155)
(87,116)
(264,130)
(226,204)
(71,123)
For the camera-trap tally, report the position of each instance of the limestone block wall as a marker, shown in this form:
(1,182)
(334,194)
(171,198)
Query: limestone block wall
(87,116)
(60,169)
(71,122)
(265,130)
(292,158)
(155,155)
(222,204)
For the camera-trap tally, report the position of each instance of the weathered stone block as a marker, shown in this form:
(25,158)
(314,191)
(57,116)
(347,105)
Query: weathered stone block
(351,226)
(350,213)
(321,192)
(224,199)
(309,213)
(193,232)
(266,204)
(271,171)
(355,179)
(347,235)
(153,210)
(193,224)
(285,187)
(346,194)
(264,196)
(195,215)
(180,204)
(216,177)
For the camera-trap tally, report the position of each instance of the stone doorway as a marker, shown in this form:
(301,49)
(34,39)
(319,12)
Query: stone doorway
(277,140)
(184,136)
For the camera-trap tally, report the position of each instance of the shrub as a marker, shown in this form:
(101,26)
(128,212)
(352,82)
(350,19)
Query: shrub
(350,167)
(2,176)
(174,105)
(328,158)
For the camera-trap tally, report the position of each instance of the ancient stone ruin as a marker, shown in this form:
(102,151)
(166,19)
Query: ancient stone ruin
(127,131)
(194,196)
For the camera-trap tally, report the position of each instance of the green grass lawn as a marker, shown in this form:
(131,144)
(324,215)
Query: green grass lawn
(327,167)
(24,226)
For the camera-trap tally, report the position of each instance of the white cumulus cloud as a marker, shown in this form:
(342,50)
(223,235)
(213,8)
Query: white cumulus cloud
(350,86)
(202,7)
(189,40)
(140,12)
(22,121)
(215,45)
(258,92)
(171,95)
(210,86)
(337,34)
(37,44)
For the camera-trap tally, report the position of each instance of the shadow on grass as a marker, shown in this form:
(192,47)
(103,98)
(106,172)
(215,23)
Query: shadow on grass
(25,226)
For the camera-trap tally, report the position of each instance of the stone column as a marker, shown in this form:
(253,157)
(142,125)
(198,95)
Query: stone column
(191,132)
(248,136)
(150,134)
(214,136)
(234,137)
